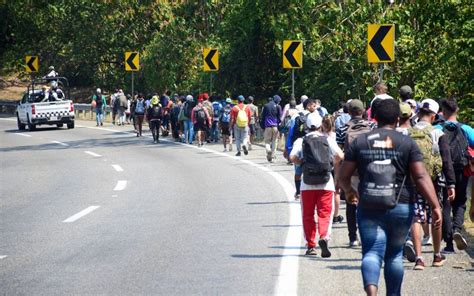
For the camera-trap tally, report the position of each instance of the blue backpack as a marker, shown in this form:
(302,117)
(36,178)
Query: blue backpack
(225,117)
(216,106)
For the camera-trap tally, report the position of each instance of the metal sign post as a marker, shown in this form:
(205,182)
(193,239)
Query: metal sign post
(381,68)
(133,85)
(293,82)
(210,90)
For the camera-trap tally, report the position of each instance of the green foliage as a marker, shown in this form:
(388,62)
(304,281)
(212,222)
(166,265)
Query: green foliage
(86,41)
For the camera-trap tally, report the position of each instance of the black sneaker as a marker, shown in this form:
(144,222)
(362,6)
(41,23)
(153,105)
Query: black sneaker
(311,252)
(449,249)
(323,244)
(409,251)
(338,219)
(238,154)
(461,243)
(245,150)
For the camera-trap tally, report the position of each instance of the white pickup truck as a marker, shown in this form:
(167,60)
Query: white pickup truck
(37,109)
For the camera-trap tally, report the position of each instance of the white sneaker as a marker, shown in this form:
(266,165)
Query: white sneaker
(225,150)
(427,241)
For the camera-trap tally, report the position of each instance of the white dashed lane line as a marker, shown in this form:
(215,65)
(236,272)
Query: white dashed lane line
(23,134)
(93,154)
(3,257)
(120,185)
(81,214)
(60,143)
(117,168)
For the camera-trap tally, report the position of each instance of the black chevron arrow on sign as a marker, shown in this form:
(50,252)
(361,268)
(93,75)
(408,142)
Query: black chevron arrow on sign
(31,65)
(376,43)
(130,61)
(209,57)
(289,54)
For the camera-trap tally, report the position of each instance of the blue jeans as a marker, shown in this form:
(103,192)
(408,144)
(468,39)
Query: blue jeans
(98,115)
(215,131)
(383,234)
(188,131)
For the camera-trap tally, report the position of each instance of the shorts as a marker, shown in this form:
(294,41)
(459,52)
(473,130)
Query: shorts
(225,128)
(298,169)
(422,210)
(252,129)
(200,127)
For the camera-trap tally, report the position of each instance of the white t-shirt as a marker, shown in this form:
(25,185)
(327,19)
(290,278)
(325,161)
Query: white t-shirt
(298,152)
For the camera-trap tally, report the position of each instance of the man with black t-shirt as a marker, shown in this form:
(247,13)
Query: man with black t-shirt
(383,231)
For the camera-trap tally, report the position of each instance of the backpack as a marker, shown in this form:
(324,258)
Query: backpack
(140,107)
(299,129)
(317,164)
(242,118)
(424,140)
(216,107)
(200,116)
(123,101)
(156,111)
(225,116)
(285,125)
(321,112)
(458,145)
(378,187)
(188,108)
(98,101)
(354,130)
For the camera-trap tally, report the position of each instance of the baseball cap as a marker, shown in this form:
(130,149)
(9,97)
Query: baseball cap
(405,110)
(431,105)
(228,100)
(241,98)
(405,91)
(189,98)
(277,99)
(98,90)
(411,102)
(356,105)
(303,98)
(314,120)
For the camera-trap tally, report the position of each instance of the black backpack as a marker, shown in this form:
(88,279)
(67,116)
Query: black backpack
(98,101)
(188,108)
(299,129)
(156,112)
(200,116)
(317,163)
(458,145)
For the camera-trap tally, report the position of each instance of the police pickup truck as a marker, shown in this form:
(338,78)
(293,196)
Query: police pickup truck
(45,103)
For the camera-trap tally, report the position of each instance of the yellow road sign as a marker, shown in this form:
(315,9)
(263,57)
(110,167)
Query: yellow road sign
(32,64)
(292,54)
(381,43)
(132,61)
(211,59)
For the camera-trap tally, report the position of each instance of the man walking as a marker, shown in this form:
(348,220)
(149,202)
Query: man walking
(240,123)
(99,101)
(271,115)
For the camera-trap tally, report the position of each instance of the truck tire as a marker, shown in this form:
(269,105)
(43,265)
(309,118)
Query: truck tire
(59,125)
(70,125)
(21,126)
(31,126)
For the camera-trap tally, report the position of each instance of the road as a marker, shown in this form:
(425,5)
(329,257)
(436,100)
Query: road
(99,211)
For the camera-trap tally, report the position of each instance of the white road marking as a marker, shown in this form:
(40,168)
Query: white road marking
(60,143)
(120,185)
(117,168)
(22,134)
(93,154)
(3,257)
(115,195)
(287,281)
(81,214)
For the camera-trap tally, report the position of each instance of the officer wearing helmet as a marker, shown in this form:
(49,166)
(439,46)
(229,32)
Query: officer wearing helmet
(52,73)
(55,93)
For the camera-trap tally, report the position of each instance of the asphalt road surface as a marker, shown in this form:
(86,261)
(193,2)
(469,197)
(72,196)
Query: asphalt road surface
(95,211)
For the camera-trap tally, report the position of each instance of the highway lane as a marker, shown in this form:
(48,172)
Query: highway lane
(184,223)
(158,236)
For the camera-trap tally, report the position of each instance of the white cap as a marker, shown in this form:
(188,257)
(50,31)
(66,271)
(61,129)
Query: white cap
(411,102)
(303,98)
(430,104)
(314,120)
(189,98)
(98,90)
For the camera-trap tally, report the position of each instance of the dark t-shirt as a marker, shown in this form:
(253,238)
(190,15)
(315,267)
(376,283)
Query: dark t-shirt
(386,144)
